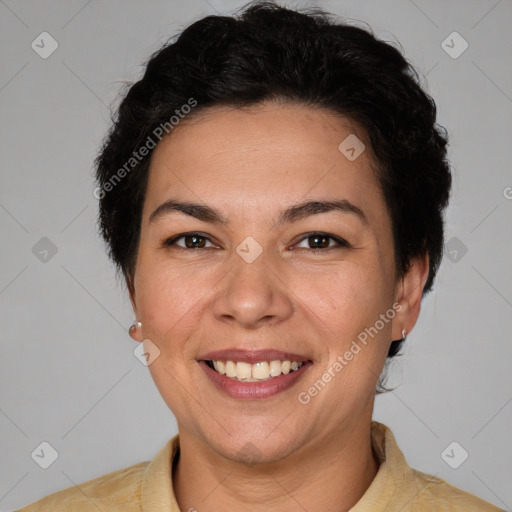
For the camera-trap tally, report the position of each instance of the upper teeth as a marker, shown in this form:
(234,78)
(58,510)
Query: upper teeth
(255,372)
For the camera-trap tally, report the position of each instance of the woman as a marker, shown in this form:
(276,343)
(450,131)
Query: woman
(273,192)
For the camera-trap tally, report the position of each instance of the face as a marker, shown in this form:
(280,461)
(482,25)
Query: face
(262,243)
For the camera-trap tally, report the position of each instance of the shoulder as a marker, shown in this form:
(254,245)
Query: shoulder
(119,490)
(412,490)
(433,493)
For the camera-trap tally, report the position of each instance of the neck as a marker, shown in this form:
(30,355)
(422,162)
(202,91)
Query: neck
(331,476)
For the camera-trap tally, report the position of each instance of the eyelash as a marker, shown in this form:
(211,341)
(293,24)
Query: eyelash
(341,243)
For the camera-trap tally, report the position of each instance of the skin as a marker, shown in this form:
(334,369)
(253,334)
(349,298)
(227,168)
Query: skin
(250,164)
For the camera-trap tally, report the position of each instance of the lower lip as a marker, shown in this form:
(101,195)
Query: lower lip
(254,390)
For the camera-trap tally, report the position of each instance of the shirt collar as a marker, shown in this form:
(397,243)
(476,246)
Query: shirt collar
(393,477)
(157,491)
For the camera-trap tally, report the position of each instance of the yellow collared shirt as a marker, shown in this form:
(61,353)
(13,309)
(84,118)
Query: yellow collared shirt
(147,487)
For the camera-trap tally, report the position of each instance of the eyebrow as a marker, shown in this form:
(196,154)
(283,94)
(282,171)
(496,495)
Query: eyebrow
(291,214)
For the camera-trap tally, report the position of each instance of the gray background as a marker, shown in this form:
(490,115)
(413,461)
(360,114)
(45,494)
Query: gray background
(67,372)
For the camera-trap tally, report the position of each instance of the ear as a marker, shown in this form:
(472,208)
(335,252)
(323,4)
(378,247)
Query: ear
(130,286)
(409,294)
(135,333)
(131,294)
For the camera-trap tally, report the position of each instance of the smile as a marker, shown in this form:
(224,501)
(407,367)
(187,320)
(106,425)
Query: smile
(256,372)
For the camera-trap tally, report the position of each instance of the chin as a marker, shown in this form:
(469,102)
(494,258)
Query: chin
(255,447)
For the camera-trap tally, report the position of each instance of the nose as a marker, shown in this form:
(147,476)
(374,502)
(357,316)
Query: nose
(253,294)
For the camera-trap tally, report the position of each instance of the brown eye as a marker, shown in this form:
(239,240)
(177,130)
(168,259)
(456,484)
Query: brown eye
(318,241)
(194,242)
(188,241)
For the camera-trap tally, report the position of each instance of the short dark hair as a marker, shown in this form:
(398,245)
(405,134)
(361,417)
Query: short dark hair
(309,57)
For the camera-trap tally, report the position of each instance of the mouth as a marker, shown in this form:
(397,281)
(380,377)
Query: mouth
(257,372)
(254,374)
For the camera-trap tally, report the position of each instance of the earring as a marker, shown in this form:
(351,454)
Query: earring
(136,325)
(404,336)
(396,345)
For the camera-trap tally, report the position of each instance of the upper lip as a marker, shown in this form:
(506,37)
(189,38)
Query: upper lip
(251,356)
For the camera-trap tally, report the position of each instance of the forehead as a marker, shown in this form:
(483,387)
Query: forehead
(262,156)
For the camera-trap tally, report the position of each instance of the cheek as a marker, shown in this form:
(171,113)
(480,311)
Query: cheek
(170,298)
(340,300)
(355,298)
(333,296)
